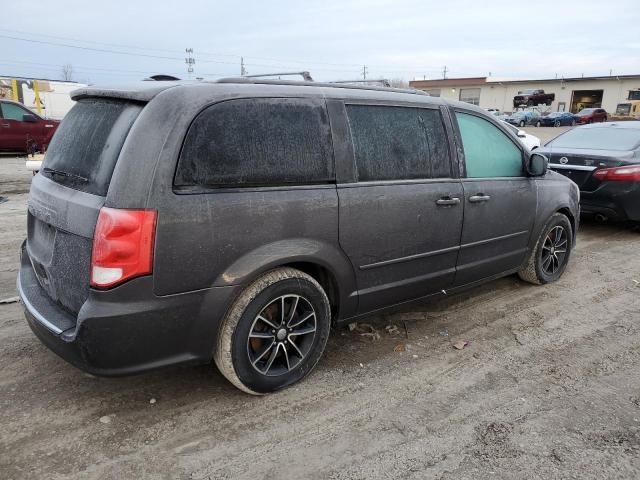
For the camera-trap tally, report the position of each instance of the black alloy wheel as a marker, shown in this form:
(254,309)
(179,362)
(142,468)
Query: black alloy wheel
(554,250)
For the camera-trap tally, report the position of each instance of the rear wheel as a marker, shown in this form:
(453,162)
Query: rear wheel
(275,332)
(550,256)
(521,123)
(538,124)
(573,123)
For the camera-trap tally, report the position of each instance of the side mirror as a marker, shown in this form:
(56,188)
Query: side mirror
(28,117)
(537,164)
(522,134)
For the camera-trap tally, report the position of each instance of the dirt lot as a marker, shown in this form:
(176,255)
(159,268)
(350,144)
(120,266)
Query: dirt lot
(548,387)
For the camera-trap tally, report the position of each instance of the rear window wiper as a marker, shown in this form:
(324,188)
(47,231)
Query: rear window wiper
(53,171)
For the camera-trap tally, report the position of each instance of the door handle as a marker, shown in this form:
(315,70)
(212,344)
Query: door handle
(479,198)
(444,201)
(5,125)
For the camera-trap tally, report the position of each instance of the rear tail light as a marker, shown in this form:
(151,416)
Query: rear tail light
(629,173)
(122,246)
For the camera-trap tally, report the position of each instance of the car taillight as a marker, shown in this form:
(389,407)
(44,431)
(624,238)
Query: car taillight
(122,246)
(629,173)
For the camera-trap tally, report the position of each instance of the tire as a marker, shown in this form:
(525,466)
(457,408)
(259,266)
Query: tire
(267,361)
(530,103)
(535,271)
(573,123)
(556,123)
(521,123)
(538,124)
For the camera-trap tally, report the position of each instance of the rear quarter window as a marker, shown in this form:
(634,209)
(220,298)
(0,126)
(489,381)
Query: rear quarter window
(85,148)
(258,142)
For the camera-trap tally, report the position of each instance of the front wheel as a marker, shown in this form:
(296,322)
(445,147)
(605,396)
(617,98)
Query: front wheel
(550,256)
(556,123)
(573,123)
(538,124)
(275,332)
(521,123)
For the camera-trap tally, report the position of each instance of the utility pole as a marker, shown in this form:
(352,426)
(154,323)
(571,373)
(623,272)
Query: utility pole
(364,72)
(243,71)
(444,72)
(189,60)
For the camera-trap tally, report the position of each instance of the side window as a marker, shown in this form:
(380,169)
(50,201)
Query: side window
(488,152)
(12,112)
(258,142)
(398,143)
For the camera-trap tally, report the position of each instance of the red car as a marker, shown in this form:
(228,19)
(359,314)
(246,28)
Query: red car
(591,115)
(22,131)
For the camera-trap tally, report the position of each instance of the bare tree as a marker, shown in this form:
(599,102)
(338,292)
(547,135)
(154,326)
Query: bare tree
(67,72)
(399,83)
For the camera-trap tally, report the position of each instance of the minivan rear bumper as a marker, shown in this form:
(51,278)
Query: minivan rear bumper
(127,329)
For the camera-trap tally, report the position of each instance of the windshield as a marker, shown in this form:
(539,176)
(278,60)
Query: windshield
(607,138)
(586,111)
(555,114)
(623,109)
(85,148)
(525,92)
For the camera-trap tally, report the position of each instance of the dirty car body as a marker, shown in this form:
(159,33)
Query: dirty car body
(604,161)
(367,237)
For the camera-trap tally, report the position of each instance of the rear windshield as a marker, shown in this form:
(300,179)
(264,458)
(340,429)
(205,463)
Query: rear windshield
(606,138)
(85,148)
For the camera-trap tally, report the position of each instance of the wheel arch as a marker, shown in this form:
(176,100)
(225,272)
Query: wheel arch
(326,263)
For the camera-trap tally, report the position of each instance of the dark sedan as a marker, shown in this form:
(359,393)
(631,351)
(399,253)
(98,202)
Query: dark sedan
(556,119)
(604,161)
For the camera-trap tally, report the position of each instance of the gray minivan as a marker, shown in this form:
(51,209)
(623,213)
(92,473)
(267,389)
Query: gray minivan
(177,222)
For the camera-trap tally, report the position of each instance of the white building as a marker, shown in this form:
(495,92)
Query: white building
(571,94)
(48,98)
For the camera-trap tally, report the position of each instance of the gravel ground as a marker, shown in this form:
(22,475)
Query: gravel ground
(548,387)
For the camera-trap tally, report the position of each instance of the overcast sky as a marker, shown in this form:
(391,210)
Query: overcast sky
(331,39)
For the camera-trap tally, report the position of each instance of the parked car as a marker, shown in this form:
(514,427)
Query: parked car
(523,118)
(556,119)
(604,161)
(498,114)
(176,222)
(629,109)
(530,141)
(591,115)
(23,131)
(533,97)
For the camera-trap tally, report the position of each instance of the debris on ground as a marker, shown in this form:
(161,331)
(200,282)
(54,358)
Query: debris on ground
(399,348)
(6,301)
(460,345)
(3,199)
(391,329)
(105,419)
(367,330)
(444,333)
(152,401)
(353,326)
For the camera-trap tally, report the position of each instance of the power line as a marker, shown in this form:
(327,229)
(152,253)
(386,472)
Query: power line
(283,62)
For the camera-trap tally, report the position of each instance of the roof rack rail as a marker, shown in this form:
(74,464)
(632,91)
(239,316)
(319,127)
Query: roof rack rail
(304,74)
(262,81)
(383,82)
